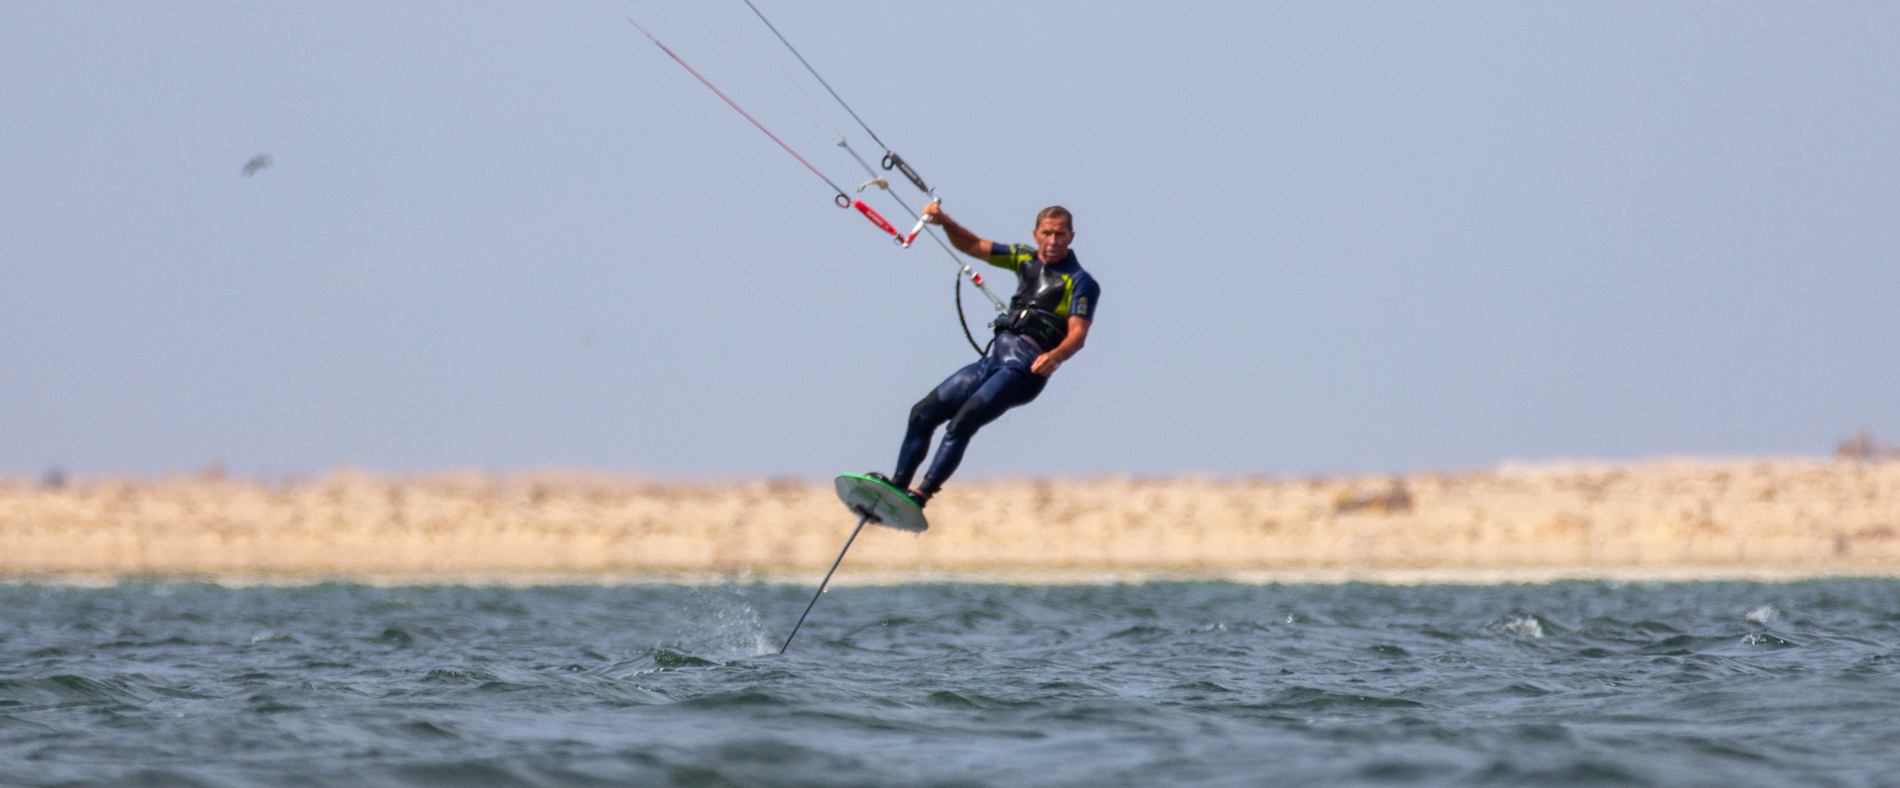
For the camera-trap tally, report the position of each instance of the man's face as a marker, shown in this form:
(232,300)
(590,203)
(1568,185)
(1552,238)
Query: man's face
(1052,239)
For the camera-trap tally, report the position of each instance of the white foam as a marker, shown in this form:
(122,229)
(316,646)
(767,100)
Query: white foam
(1524,626)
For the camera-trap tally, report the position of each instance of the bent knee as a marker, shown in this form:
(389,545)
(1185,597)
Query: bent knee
(968,420)
(920,412)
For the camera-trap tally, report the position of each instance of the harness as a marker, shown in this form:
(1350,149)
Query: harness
(1040,326)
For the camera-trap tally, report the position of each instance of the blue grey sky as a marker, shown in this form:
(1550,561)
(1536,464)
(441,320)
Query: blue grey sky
(1331,237)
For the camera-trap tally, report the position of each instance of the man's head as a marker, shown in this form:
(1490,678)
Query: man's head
(1055,229)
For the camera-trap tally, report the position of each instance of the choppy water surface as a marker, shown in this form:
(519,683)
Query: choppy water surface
(1158,684)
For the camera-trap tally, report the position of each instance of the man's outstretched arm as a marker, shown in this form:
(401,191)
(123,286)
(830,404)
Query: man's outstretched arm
(960,237)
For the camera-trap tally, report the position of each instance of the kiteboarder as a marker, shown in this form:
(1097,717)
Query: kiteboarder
(1046,324)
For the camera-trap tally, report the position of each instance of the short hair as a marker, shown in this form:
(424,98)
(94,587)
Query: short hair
(1056,212)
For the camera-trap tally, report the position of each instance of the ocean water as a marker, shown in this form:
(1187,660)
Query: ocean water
(1582,683)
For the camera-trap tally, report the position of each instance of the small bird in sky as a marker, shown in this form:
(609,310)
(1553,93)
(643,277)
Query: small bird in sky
(258,162)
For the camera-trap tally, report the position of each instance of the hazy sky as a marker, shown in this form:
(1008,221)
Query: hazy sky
(1331,237)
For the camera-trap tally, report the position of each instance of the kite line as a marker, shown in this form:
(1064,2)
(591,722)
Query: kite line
(890,161)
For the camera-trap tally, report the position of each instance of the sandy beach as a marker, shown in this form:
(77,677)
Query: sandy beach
(1669,519)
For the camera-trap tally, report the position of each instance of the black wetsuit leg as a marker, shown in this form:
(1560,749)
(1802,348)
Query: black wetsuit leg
(931,412)
(1001,390)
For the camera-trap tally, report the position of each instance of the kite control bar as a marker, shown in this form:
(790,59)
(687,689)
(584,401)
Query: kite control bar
(905,241)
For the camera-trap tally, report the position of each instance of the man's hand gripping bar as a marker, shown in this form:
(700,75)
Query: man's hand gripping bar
(904,240)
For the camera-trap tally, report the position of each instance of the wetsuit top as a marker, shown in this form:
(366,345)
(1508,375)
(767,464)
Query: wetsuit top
(1062,288)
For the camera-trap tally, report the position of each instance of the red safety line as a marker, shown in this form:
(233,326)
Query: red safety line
(734,105)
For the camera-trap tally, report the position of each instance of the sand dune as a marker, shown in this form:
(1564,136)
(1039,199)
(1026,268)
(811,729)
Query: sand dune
(1768,517)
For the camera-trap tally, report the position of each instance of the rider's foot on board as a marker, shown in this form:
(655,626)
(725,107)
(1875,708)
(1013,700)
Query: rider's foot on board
(918,497)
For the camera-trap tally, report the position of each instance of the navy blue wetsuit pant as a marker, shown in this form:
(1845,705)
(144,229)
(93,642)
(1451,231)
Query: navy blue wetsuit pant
(970,398)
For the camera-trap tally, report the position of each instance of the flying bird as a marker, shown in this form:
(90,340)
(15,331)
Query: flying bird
(258,162)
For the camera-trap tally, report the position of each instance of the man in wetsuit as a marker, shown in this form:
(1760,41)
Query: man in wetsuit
(1047,322)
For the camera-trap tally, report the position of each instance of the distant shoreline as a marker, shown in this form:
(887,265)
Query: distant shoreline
(849,578)
(1665,520)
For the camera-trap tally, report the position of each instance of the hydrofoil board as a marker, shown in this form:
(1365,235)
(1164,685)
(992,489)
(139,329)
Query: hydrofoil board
(881,503)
